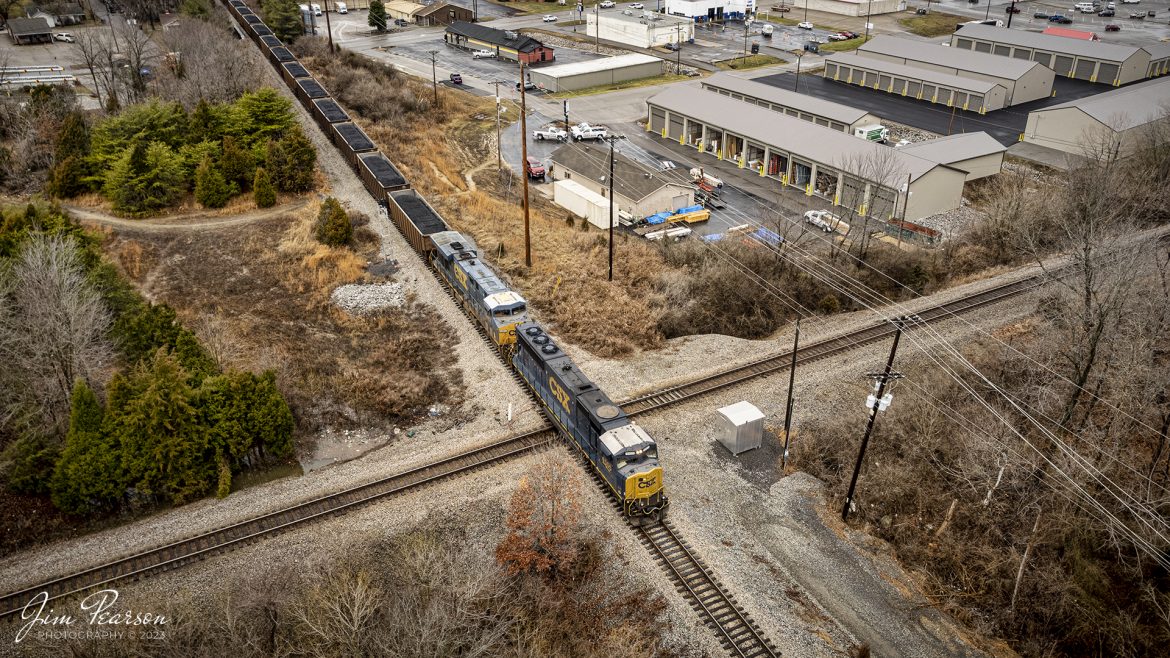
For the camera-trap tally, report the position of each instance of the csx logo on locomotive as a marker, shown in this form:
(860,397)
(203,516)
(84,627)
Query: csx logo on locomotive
(646,483)
(559,393)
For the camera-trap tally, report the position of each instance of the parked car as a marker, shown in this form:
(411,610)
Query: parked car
(64,36)
(585,131)
(1137,15)
(637,5)
(341,8)
(482,54)
(400,22)
(1059,19)
(534,168)
(1112,27)
(782,9)
(1040,14)
(838,37)
(551,132)
(456,79)
(672,46)
(607,4)
(921,11)
(528,84)
(316,10)
(812,47)
(804,25)
(1151,13)
(1106,13)
(1130,2)
(822,219)
(549,18)
(1012,9)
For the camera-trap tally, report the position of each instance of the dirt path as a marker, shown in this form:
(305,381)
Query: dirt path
(195,221)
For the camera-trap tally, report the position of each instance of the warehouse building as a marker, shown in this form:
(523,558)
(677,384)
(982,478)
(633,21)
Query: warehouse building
(976,154)
(853,7)
(1116,119)
(980,96)
(635,191)
(442,13)
(809,108)
(1024,80)
(403,10)
(1095,61)
(642,29)
(856,174)
(506,44)
(710,10)
(596,72)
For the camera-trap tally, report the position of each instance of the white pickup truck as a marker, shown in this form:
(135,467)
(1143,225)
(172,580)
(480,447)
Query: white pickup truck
(551,132)
(585,131)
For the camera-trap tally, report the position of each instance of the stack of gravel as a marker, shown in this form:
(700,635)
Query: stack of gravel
(359,299)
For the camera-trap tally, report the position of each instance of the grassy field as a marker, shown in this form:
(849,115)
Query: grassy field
(934,24)
(629,84)
(751,62)
(843,46)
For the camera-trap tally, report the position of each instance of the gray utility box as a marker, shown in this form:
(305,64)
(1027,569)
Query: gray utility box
(740,427)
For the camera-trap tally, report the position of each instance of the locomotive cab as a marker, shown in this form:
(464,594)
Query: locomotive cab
(634,455)
(497,308)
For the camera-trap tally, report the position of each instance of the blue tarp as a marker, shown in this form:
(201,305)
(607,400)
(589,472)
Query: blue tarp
(683,211)
(768,236)
(657,218)
(714,237)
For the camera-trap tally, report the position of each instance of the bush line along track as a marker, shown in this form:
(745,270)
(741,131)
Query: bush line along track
(216,541)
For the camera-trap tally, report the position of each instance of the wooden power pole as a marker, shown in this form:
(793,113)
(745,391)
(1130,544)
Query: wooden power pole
(524,166)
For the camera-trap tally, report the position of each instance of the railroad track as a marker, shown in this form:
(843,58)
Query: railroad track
(185,551)
(735,628)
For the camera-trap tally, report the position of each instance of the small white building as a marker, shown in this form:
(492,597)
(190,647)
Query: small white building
(710,10)
(583,202)
(641,29)
(740,427)
(851,7)
(977,153)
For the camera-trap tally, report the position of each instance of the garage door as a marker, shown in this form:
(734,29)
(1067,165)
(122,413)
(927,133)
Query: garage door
(852,194)
(885,82)
(822,122)
(1044,59)
(964,43)
(1063,65)
(928,92)
(913,89)
(1003,51)
(882,205)
(982,47)
(1107,73)
(960,99)
(675,130)
(840,127)
(831,71)
(1085,68)
(680,201)
(792,113)
(657,119)
(1022,53)
(975,103)
(944,96)
(801,173)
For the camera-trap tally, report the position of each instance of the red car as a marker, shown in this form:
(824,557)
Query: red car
(534,168)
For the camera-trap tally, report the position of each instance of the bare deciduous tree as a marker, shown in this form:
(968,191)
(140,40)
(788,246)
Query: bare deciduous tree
(208,65)
(53,330)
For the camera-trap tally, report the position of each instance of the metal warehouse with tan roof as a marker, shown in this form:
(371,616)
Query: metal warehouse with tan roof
(1095,61)
(1116,119)
(802,106)
(1024,80)
(856,174)
(977,154)
(980,96)
(596,72)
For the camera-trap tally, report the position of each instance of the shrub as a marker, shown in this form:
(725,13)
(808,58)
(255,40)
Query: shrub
(333,226)
(30,462)
(211,190)
(145,179)
(262,190)
(236,163)
(377,18)
(88,477)
(290,161)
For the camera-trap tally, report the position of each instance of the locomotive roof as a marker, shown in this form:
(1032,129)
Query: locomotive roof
(604,412)
(460,249)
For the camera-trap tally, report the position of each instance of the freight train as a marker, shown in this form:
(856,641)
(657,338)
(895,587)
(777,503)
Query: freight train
(623,454)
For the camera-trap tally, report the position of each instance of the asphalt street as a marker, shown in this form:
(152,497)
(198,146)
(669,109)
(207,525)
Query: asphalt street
(1004,125)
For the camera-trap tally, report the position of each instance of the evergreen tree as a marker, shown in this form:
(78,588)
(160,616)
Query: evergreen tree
(206,122)
(377,18)
(245,417)
(140,332)
(67,178)
(291,161)
(145,179)
(211,190)
(236,163)
(88,476)
(261,115)
(30,462)
(333,225)
(284,18)
(165,451)
(73,137)
(196,8)
(262,190)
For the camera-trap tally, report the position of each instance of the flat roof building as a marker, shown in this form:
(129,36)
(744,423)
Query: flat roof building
(980,96)
(855,174)
(977,154)
(1115,119)
(635,190)
(1024,80)
(1095,61)
(641,29)
(809,108)
(596,72)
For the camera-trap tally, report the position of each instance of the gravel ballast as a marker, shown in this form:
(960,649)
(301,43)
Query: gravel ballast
(360,299)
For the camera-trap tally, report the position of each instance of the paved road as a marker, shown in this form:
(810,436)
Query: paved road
(1004,125)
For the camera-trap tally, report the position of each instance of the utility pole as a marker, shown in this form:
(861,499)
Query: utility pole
(434,77)
(597,28)
(869,13)
(806,10)
(499,156)
(611,139)
(524,165)
(791,383)
(987,14)
(799,59)
(875,403)
(328,28)
(1011,13)
(566,108)
(678,50)
(746,27)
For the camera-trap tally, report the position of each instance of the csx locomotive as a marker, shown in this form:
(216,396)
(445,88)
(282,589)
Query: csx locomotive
(623,454)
